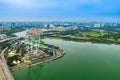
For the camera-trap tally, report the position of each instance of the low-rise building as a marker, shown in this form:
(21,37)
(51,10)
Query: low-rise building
(97,25)
(3,36)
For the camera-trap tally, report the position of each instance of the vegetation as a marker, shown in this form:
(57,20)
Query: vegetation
(35,43)
(13,58)
(91,34)
(102,35)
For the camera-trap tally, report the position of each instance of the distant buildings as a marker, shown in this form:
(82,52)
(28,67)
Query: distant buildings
(115,24)
(97,25)
(102,25)
(98,30)
(61,28)
(3,28)
(3,36)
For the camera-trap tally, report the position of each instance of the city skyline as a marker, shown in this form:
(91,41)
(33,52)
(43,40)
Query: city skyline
(60,10)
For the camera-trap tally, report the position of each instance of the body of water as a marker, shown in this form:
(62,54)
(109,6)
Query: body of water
(82,61)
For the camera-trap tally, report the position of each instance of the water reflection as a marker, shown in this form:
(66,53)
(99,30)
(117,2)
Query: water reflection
(35,70)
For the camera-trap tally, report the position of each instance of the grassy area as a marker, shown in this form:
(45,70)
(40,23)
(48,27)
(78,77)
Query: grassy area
(42,44)
(91,34)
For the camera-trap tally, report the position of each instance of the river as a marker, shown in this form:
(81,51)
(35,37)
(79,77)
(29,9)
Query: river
(82,61)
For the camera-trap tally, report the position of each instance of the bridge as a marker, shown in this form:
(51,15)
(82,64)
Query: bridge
(5,73)
(8,39)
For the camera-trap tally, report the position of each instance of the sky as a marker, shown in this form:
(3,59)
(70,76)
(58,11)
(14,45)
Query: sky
(59,10)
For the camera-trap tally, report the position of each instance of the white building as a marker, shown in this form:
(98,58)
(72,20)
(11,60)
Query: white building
(3,36)
(97,25)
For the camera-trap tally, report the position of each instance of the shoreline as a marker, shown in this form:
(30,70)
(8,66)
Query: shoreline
(86,40)
(82,39)
(19,67)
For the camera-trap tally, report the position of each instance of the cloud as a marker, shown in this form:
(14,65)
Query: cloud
(21,3)
(29,3)
(59,8)
(48,3)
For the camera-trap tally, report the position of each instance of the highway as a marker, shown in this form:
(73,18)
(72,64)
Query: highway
(7,39)
(2,76)
(5,73)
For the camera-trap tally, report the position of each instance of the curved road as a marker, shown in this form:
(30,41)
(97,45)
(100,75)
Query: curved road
(5,73)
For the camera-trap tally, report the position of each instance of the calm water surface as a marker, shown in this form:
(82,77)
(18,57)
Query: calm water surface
(82,61)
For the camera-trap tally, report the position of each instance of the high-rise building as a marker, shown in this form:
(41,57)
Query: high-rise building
(97,25)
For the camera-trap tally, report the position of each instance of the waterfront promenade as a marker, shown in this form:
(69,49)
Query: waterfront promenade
(5,73)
